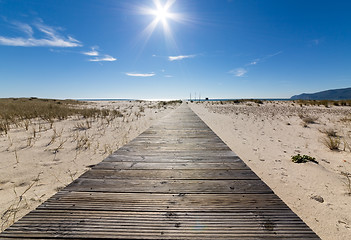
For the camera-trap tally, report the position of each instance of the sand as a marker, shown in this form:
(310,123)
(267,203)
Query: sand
(267,135)
(38,162)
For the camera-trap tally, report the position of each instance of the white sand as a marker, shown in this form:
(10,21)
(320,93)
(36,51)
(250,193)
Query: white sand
(266,137)
(31,171)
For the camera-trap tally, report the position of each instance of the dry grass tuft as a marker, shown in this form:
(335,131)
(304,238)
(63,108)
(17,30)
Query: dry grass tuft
(347,182)
(9,216)
(307,119)
(333,143)
(329,132)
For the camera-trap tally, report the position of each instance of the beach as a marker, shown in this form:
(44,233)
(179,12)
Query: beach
(40,157)
(266,136)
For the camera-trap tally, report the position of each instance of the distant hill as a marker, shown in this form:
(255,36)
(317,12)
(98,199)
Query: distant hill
(334,94)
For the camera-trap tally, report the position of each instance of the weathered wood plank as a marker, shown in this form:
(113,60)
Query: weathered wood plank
(160,202)
(169,186)
(199,174)
(168,165)
(175,159)
(77,223)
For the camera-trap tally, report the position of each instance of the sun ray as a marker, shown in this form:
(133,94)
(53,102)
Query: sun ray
(162,14)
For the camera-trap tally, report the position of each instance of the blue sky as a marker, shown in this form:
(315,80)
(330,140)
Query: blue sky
(167,49)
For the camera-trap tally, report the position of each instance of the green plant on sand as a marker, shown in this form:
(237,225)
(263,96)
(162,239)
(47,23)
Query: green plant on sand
(303,159)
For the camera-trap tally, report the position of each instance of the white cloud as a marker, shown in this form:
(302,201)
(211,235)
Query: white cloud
(23,27)
(92,53)
(181,57)
(106,58)
(168,76)
(51,37)
(263,59)
(238,72)
(274,54)
(140,74)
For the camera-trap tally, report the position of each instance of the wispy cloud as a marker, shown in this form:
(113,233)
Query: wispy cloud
(140,74)
(238,72)
(259,60)
(23,27)
(273,55)
(93,52)
(181,57)
(97,56)
(317,41)
(51,37)
(253,62)
(105,58)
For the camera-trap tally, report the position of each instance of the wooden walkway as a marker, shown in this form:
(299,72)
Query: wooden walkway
(177,180)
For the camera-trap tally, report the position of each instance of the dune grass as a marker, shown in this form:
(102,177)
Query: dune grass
(333,143)
(326,103)
(20,111)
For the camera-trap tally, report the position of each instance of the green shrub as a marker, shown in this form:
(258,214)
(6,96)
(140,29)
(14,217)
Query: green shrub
(302,159)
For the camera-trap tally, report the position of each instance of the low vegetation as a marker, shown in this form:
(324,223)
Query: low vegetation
(329,132)
(333,143)
(326,103)
(19,112)
(237,101)
(347,182)
(303,159)
(307,119)
(168,103)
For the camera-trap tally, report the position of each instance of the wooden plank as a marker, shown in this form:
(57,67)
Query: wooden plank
(199,174)
(170,186)
(161,202)
(243,224)
(175,159)
(168,165)
(177,180)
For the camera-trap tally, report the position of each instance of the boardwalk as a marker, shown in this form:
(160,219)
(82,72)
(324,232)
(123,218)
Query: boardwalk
(177,180)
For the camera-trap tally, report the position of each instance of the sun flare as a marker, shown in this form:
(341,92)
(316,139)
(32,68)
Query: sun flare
(161,13)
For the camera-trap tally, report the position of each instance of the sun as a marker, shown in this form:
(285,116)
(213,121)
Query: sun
(161,12)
